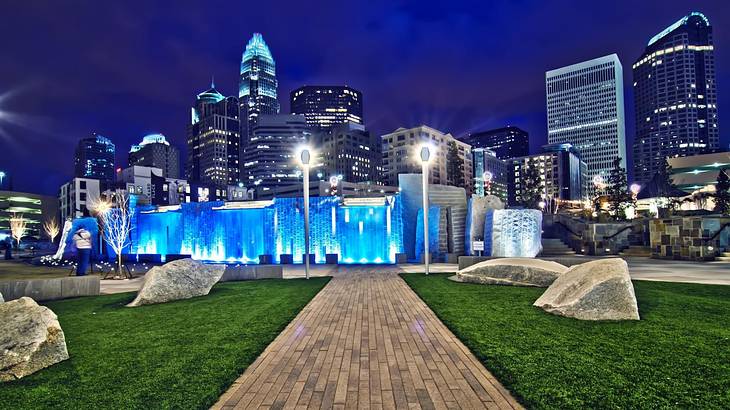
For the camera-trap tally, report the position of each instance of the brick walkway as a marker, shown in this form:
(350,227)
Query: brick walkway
(366,340)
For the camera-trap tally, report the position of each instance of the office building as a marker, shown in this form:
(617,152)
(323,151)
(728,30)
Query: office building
(155,151)
(214,140)
(269,158)
(491,174)
(585,107)
(349,151)
(675,96)
(563,175)
(507,142)
(94,158)
(327,106)
(34,209)
(77,197)
(400,156)
(257,85)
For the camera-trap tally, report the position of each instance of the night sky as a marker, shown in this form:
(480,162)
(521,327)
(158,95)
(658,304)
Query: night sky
(125,69)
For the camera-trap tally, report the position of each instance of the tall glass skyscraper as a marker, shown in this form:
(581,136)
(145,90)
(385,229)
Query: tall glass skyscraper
(585,107)
(214,140)
(676,96)
(257,87)
(325,106)
(94,158)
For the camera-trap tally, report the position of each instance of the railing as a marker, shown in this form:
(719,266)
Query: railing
(712,238)
(567,228)
(625,228)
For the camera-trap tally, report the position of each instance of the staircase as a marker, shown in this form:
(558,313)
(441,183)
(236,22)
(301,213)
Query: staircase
(724,257)
(633,250)
(555,247)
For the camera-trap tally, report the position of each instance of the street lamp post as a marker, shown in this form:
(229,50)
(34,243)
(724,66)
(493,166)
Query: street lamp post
(425,157)
(304,157)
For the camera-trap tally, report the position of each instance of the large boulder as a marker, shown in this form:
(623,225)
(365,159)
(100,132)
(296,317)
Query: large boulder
(180,279)
(30,339)
(596,290)
(513,271)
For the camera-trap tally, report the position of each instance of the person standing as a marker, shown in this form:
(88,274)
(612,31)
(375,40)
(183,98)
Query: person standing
(7,244)
(82,240)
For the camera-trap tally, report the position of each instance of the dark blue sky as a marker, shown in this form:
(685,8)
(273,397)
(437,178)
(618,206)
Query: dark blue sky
(125,69)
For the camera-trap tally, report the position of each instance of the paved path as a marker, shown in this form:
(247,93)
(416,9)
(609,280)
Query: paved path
(366,340)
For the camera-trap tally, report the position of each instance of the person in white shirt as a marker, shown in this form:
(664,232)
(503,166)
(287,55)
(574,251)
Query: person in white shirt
(82,240)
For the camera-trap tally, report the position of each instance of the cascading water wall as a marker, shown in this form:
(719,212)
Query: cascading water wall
(211,231)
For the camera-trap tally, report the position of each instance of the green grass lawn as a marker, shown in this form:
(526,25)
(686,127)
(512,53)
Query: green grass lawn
(677,356)
(182,354)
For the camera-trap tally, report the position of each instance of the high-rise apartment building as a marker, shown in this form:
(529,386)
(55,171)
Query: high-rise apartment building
(326,106)
(214,140)
(269,159)
(585,107)
(257,85)
(400,155)
(94,158)
(154,151)
(563,175)
(491,174)
(507,142)
(350,151)
(675,96)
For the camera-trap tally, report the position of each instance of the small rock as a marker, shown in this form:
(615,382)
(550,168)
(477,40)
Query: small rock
(596,290)
(30,339)
(180,279)
(513,271)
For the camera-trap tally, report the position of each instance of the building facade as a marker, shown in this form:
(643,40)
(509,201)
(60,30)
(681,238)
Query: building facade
(349,151)
(491,174)
(76,198)
(400,156)
(326,106)
(676,96)
(214,140)
(507,142)
(257,91)
(269,159)
(34,209)
(563,175)
(698,172)
(585,107)
(155,151)
(94,158)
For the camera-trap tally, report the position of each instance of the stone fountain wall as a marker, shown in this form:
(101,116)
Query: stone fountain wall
(687,238)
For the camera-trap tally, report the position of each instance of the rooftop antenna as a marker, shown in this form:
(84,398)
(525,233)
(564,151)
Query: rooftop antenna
(212,82)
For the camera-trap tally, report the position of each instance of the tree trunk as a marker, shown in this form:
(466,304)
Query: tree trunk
(119,264)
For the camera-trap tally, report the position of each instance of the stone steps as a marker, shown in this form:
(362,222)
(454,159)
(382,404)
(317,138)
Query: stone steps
(555,247)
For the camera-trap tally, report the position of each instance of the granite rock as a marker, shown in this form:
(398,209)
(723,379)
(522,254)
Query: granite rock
(513,271)
(179,279)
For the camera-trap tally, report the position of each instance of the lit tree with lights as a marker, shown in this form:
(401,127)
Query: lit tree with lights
(18,227)
(116,225)
(52,228)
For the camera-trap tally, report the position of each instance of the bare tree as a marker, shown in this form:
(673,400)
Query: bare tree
(52,228)
(18,227)
(117,225)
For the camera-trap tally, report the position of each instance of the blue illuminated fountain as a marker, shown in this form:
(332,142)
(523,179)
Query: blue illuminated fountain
(367,232)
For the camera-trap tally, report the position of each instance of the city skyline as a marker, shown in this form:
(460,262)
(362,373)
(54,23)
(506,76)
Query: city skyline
(157,98)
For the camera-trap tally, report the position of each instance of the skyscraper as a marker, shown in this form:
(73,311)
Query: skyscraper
(94,158)
(257,87)
(676,96)
(154,151)
(325,106)
(269,159)
(214,140)
(585,107)
(507,142)
(349,150)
